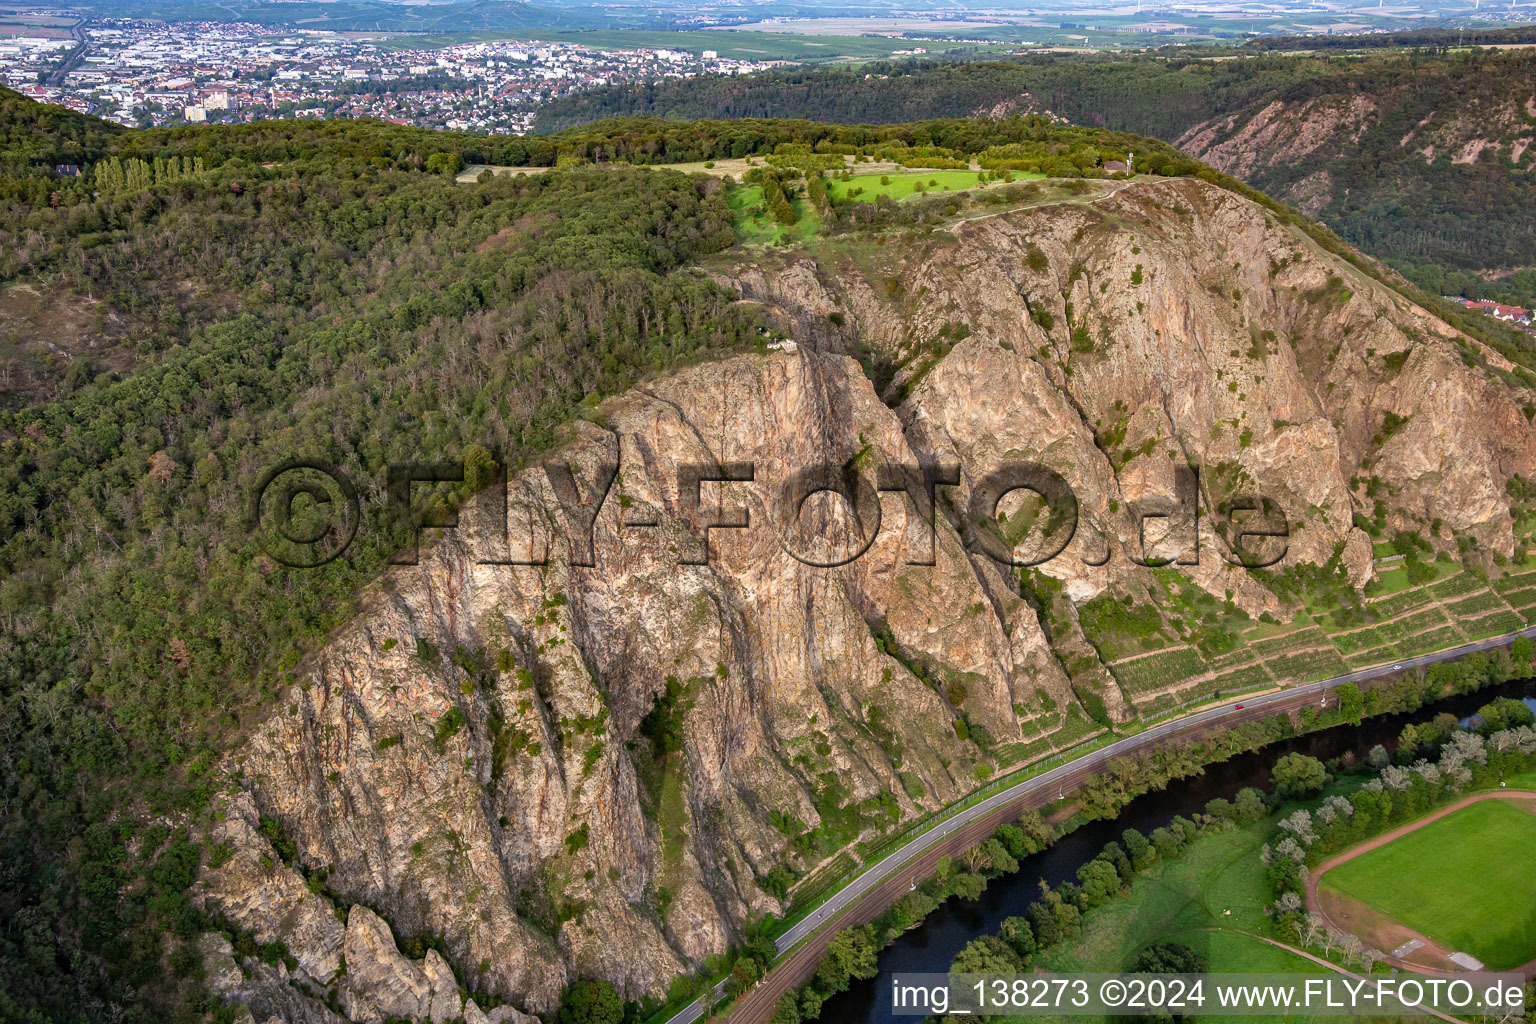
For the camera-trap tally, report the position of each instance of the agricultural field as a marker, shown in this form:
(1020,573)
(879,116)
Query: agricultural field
(1477,604)
(1499,622)
(1238,658)
(1010,754)
(1249,677)
(1433,640)
(1455,586)
(1374,656)
(1360,640)
(1517,581)
(1155,672)
(1269,648)
(1399,604)
(1411,625)
(1467,881)
(1304,666)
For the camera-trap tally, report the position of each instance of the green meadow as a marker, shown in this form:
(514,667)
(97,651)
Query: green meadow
(869,187)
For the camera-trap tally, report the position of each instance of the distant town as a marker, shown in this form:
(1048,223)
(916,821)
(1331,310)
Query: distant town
(149,73)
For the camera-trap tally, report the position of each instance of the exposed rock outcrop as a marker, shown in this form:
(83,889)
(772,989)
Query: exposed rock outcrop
(1363,144)
(268,993)
(587,769)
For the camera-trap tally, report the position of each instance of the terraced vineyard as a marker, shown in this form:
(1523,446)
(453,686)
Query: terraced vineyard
(821,880)
(1457,609)
(1515,582)
(1255,676)
(1152,673)
(1010,754)
(1423,643)
(1505,621)
(1302,665)
(1519,591)
(1455,586)
(1374,656)
(1289,641)
(1479,603)
(1360,640)
(1412,625)
(1399,604)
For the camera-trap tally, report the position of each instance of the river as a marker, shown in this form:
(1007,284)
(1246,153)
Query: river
(933,944)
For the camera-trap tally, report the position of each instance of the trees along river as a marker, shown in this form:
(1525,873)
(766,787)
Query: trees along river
(933,945)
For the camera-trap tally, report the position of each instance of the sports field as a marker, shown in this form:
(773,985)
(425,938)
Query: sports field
(1467,880)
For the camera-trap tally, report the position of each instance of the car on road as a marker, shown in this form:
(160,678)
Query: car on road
(1237,707)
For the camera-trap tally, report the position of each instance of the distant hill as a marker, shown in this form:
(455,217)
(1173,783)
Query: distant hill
(1481,36)
(1422,158)
(374,16)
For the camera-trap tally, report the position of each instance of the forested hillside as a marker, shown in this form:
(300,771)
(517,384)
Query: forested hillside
(203,303)
(1484,35)
(269,292)
(1422,158)
(1168,95)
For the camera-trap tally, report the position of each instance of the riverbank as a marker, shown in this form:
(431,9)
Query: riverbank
(941,937)
(1223,891)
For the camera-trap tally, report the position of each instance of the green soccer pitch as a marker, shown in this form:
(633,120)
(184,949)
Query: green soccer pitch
(1468,881)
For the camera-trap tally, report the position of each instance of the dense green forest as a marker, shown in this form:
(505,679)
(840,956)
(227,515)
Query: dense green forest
(1165,94)
(1431,217)
(347,302)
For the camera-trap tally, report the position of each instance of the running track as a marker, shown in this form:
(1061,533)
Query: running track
(1315,876)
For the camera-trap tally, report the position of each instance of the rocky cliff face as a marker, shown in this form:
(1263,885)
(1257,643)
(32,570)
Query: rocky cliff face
(568,769)
(1299,148)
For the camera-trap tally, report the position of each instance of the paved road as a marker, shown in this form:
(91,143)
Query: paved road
(884,882)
